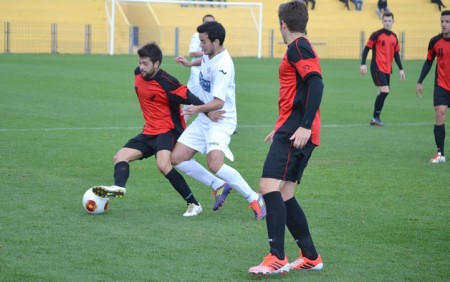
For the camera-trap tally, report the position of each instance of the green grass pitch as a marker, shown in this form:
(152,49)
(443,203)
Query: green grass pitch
(377,210)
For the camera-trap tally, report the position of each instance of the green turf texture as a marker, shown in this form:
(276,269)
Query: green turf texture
(378,211)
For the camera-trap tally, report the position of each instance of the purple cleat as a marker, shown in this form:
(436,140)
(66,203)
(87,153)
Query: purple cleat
(220,195)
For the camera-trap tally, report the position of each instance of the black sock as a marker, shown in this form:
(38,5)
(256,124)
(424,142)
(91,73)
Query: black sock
(276,221)
(298,226)
(180,184)
(439,138)
(379,103)
(121,173)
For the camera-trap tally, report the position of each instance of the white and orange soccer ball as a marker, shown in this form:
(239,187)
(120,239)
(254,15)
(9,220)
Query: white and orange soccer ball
(94,204)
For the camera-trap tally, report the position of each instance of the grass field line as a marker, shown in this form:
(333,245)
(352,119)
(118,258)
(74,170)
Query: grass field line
(239,126)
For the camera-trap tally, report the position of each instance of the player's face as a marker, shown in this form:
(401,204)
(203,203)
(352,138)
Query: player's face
(387,22)
(209,47)
(445,25)
(147,67)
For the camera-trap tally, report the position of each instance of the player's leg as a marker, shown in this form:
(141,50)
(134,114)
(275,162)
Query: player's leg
(296,219)
(218,139)
(276,261)
(164,146)
(298,227)
(441,99)
(138,147)
(178,182)
(381,80)
(273,176)
(196,171)
(122,160)
(190,142)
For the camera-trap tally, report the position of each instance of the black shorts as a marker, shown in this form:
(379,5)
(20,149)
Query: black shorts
(284,161)
(149,145)
(380,78)
(441,97)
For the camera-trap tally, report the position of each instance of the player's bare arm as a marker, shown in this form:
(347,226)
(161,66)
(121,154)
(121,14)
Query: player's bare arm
(185,62)
(215,104)
(196,54)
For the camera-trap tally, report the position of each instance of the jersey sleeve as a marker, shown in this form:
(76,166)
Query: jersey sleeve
(304,59)
(174,89)
(372,40)
(431,54)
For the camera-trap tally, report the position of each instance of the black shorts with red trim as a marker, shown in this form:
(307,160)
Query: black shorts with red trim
(149,145)
(441,97)
(284,161)
(380,78)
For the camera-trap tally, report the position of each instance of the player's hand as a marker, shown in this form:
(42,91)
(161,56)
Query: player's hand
(301,137)
(186,113)
(270,136)
(191,110)
(182,60)
(402,75)
(216,115)
(363,69)
(419,89)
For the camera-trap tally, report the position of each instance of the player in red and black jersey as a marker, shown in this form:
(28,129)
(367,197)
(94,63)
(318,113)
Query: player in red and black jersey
(385,48)
(160,96)
(294,137)
(439,47)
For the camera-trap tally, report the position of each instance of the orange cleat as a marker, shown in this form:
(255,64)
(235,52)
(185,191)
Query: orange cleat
(271,265)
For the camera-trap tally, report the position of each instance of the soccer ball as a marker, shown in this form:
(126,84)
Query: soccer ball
(94,204)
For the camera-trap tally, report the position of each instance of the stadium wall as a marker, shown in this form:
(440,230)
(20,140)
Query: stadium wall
(64,26)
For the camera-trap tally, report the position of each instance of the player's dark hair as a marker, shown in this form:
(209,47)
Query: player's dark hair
(152,51)
(207,16)
(445,13)
(295,15)
(215,30)
(388,14)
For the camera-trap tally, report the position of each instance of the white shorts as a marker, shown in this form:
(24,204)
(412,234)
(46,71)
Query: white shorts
(205,137)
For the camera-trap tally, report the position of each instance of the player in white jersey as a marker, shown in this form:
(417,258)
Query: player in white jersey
(213,136)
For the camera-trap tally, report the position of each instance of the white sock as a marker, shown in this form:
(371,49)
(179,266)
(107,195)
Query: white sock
(234,178)
(195,170)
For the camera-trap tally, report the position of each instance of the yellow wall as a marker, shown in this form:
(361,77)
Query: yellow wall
(335,32)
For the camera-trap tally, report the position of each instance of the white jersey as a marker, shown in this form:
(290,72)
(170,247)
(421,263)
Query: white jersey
(217,80)
(193,83)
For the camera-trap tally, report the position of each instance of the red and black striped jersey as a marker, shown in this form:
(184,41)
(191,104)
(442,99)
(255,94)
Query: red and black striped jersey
(160,98)
(299,63)
(439,47)
(384,45)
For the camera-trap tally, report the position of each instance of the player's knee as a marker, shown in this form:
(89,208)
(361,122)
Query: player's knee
(164,168)
(264,189)
(214,166)
(126,155)
(117,158)
(175,160)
